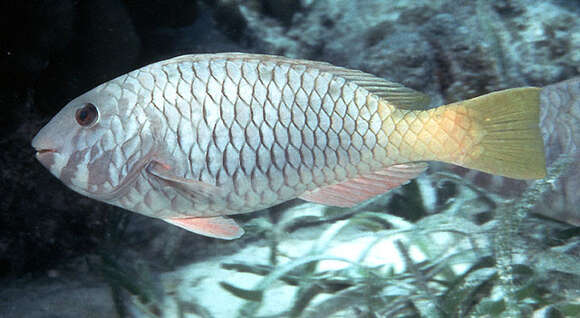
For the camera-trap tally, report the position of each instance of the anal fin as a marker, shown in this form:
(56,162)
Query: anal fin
(364,187)
(218,227)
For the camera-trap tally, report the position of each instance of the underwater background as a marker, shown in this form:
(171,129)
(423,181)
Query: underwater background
(452,243)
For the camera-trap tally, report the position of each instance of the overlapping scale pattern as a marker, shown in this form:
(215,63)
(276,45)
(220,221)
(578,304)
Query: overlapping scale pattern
(265,130)
(443,133)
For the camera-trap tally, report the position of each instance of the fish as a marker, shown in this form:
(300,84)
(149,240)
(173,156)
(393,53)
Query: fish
(196,138)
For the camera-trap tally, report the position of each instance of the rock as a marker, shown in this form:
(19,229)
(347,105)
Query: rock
(57,298)
(452,52)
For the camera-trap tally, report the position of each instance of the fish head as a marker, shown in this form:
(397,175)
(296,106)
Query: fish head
(96,143)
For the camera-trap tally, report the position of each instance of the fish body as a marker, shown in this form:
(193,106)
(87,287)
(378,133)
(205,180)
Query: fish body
(197,137)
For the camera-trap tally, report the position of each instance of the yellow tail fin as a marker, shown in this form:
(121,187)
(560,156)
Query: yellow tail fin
(505,128)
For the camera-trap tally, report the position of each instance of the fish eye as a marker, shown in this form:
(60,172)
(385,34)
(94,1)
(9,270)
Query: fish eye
(87,115)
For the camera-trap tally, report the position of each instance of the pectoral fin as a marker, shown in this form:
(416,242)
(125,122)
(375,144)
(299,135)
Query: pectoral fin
(218,227)
(192,189)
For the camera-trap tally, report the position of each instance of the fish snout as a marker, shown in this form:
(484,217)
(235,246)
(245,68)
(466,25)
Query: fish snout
(45,149)
(41,144)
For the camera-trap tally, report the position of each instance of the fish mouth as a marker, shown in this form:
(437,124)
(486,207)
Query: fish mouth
(46,156)
(40,152)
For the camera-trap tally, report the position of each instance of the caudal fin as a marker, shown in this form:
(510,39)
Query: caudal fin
(505,129)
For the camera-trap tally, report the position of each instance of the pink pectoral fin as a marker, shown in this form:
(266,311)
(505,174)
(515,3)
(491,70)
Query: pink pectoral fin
(356,190)
(218,227)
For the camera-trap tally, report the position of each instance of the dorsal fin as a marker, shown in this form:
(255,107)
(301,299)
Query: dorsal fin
(359,189)
(394,93)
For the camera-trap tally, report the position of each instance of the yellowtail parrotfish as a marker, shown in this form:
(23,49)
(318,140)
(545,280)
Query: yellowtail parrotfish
(195,138)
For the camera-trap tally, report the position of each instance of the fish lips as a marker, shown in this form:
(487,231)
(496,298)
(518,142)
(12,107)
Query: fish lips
(43,154)
(40,152)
